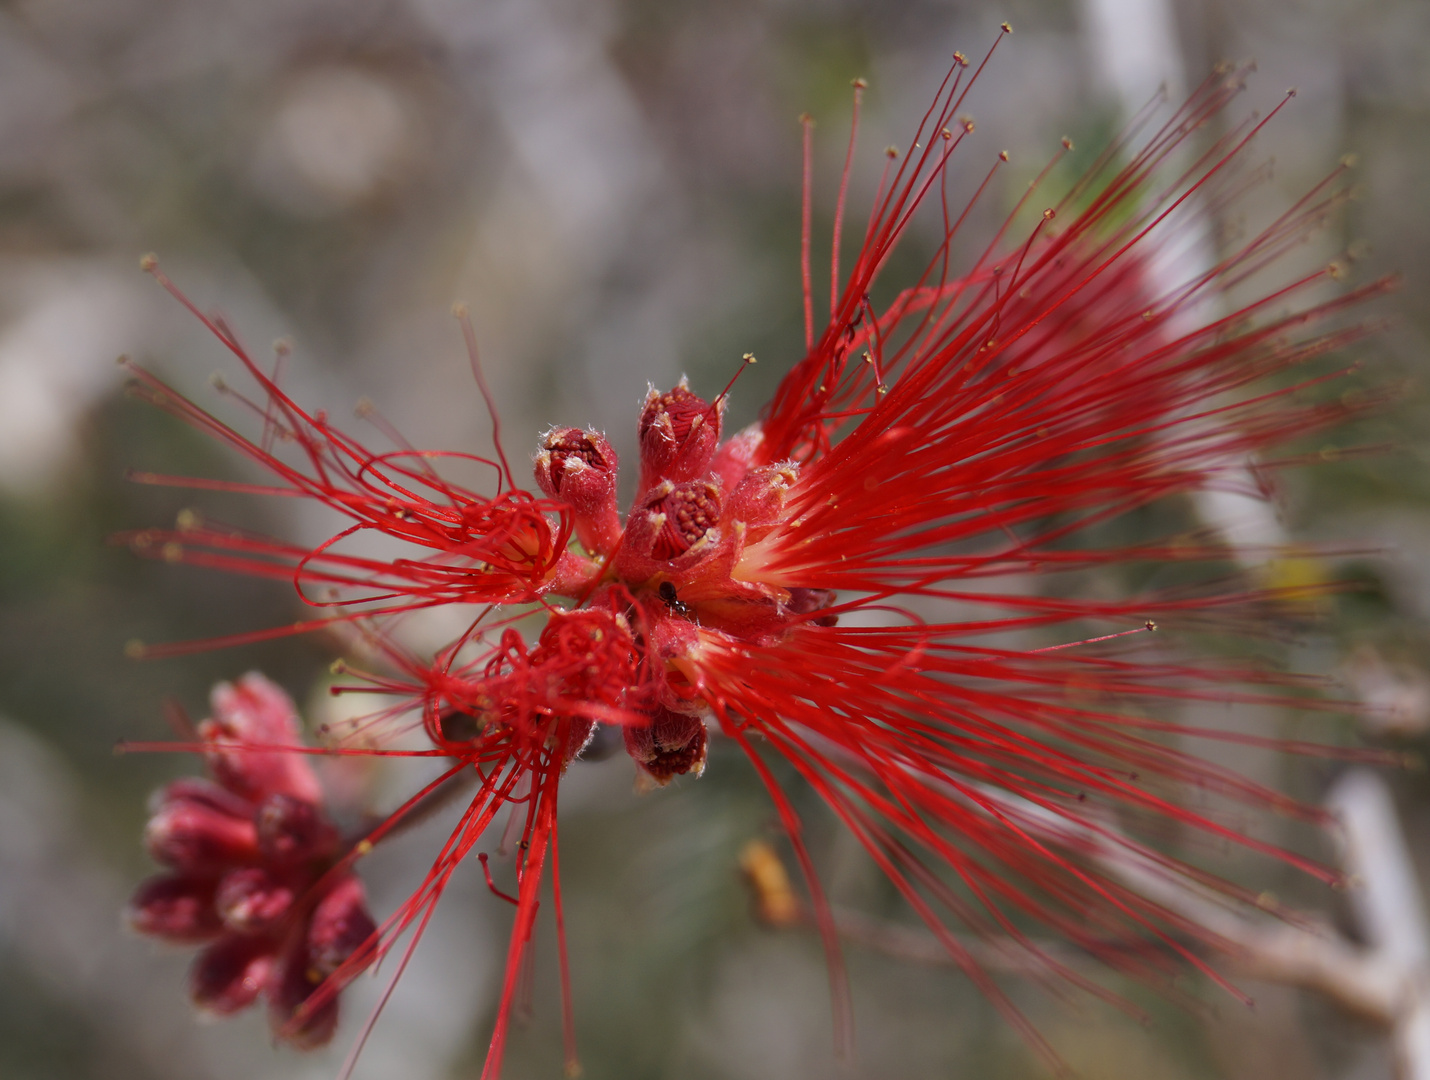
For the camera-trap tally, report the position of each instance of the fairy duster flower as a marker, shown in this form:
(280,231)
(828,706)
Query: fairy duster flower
(843,586)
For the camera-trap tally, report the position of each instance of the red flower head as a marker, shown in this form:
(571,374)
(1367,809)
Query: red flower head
(823,587)
(252,870)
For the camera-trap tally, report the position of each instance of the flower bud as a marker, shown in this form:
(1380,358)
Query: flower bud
(230,973)
(810,602)
(678,433)
(672,743)
(251,901)
(196,789)
(175,907)
(256,712)
(290,830)
(760,499)
(672,521)
(579,468)
(289,987)
(340,926)
(195,835)
(733,457)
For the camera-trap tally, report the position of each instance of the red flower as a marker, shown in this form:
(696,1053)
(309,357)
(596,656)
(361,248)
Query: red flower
(253,870)
(981,426)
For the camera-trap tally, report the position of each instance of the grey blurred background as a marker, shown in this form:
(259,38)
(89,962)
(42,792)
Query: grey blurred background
(613,185)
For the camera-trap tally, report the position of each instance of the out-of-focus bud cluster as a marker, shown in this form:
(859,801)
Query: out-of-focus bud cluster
(249,859)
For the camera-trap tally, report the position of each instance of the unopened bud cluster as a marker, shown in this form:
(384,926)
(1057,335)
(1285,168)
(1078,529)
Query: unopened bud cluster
(698,506)
(250,870)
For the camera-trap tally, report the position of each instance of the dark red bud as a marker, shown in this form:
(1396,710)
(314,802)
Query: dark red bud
(251,900)
(579,468)
(230,973)
(255,712)
(811,601)
(576,466)
(673,520)
(678,434)
(672,743)
(291,829)
(194,835)
(175,907)
(290,986)
(340,926)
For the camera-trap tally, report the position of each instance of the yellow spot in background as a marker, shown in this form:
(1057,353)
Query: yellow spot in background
(775,901)
(1298,581)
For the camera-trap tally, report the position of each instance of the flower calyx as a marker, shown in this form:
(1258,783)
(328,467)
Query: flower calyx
(671,744)
(678,432)
(673,522)
(579,468)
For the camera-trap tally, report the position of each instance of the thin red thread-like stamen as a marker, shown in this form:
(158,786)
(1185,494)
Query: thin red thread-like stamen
(840,999)
(568,1014)
(486,870)
(469,335)
(805,225)
(839,205)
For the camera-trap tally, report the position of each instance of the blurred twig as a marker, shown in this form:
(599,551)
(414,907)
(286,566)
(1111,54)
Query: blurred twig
(1385,981)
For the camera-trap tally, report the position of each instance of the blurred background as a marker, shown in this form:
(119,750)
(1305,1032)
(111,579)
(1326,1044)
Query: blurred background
(613,186)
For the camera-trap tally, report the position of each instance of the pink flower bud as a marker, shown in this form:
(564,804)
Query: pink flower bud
(257,713)
(196,789)
(175,907)
(760,498)
(340,925)
(291,830)
(579,468)
(251,900)
(810,602)
(678,432)
(299,973)
(230,973)
(193,834)
(732,459)
(672,743)
(289,989)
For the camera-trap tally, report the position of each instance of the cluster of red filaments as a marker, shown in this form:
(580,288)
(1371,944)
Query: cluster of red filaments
(921,462)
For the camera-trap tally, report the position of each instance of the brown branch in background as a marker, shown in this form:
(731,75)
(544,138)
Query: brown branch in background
(1385,981)
(777,905)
